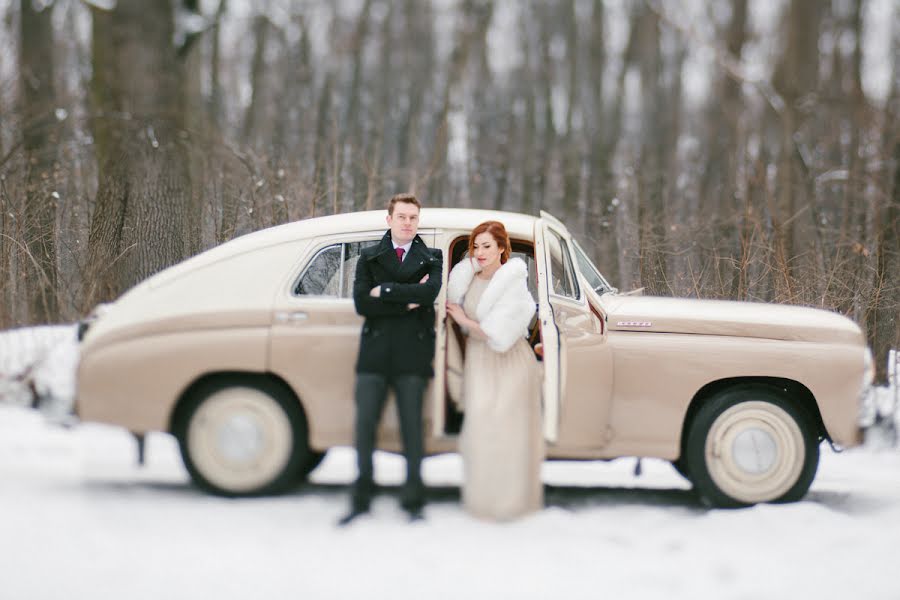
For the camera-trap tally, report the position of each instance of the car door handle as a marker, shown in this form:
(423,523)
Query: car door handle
(291,317)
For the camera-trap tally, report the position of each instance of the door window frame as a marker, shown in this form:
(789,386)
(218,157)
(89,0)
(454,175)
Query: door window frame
(309,265)
(580,299)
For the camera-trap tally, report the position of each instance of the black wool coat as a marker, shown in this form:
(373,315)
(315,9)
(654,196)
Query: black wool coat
(396,340)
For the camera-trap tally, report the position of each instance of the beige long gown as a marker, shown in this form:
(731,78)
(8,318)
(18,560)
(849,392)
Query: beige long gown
(501,442)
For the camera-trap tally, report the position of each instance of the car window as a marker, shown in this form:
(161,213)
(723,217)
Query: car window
(331,271)
(590,272)
(351,256)
(320,271)
(562,273)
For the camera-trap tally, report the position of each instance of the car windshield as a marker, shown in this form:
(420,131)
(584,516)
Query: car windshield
(590,272)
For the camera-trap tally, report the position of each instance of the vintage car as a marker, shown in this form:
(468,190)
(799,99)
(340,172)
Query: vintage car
(246,354)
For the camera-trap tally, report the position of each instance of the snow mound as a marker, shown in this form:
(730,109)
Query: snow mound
(37,368)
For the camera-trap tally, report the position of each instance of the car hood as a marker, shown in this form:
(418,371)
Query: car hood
(740,319)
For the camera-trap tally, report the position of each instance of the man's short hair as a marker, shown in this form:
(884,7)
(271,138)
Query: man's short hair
(406,197)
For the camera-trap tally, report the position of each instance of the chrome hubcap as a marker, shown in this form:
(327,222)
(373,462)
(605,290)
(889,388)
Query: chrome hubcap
(240,438)
(755,450)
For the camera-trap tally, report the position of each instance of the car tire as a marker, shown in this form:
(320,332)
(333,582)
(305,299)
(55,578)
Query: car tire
(749,444)
(680,465)
(243,437)
(313,461)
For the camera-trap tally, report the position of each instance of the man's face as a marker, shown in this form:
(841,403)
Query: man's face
(404,223)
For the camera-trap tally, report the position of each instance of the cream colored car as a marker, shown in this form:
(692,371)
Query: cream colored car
(246,354)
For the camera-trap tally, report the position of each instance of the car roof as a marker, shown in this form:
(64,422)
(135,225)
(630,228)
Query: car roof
(517,224)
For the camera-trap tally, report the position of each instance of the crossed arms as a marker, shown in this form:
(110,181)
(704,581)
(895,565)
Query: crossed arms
(394,299)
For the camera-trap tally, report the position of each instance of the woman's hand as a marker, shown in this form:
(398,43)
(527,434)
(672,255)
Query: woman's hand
(471,326)
(459,315)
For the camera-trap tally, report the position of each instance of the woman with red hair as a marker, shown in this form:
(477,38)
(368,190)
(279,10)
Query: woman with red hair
(501,441)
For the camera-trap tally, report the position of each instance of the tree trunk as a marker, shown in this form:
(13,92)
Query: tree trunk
(320,169)
(571,166)
(529,124)
(350,130)
(602,210)
(195,114)
(418,64)
(255,113)
(39,143)
(882,323)
(855,205)
(883,315)
(474,25)
(216,100)
(718,184)
(7,285)
(140,220)
(375,160)
(651,171)
(546,151)
(796,76)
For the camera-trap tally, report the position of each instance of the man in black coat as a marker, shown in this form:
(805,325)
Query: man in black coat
(395,287)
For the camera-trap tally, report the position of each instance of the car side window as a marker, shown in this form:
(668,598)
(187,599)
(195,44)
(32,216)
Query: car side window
(320,271)
(562,273)
(331,271)
(590,272)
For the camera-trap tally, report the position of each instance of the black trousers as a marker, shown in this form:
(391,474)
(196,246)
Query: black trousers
(371,394)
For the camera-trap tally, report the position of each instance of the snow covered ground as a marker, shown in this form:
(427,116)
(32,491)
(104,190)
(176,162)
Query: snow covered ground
(80,520)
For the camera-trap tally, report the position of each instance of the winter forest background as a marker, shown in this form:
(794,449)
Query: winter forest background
(745,149)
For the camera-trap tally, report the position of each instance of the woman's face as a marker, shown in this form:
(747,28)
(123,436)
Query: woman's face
(487,252)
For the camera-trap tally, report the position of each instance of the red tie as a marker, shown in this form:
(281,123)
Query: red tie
(400,252)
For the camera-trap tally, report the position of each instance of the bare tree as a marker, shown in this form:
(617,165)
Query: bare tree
(528,133)
(139,223)
(794,79)
(38,100)
(651,176)
(419,63)
(718,182)
(778,187)
(882,322)
(602,206)
(475,18)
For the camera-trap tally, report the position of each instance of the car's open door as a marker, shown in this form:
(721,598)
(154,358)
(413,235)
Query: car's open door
(577,358)
(549,338)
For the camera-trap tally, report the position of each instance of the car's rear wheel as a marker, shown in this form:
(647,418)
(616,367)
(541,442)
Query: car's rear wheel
(680,465)
(748,444)
(313,461)
(242,437)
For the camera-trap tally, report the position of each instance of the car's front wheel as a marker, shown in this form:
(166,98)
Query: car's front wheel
(241,437)
(749,444)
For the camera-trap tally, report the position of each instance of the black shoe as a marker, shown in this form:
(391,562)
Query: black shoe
(412,498)
(351,516)
(415,513)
